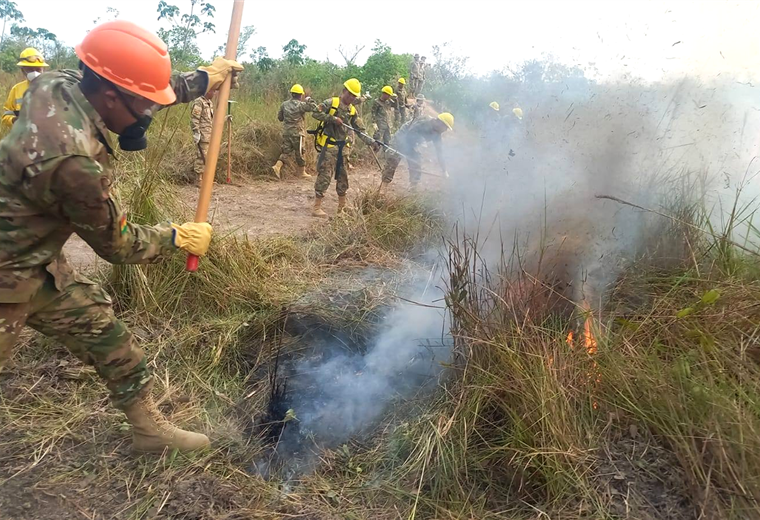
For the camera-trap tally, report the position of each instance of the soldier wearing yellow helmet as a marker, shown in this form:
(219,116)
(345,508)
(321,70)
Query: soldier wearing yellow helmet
(381,115)
(292,114)
(401,102)
(31,64)
(407,142)
(335,115)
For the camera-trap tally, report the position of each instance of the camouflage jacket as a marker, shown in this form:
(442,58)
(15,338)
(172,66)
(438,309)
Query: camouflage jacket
(401,100)
(414,69)
(418,111)
(55,180)
(382,112)
(201,118)
(413,133)
(334,130)
(293,116)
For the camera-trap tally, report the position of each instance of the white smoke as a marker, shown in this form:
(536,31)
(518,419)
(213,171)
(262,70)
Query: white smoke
(336,392)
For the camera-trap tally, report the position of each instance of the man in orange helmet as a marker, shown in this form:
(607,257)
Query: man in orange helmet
(55,180)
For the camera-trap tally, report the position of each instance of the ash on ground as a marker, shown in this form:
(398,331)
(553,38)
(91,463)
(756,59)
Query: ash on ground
(333,387)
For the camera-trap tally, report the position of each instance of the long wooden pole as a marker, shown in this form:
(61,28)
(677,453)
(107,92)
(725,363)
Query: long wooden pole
(229,145)
(217,127)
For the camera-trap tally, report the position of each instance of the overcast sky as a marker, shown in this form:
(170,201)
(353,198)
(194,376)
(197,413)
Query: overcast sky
(648,39)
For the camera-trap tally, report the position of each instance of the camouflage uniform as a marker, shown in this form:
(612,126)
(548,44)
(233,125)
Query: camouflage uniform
(419,109)
(55,180)
(414,77)
(330,161)
(201,118)
(421,77)
(293,114)
(381,114)
(407,141)
(400,105)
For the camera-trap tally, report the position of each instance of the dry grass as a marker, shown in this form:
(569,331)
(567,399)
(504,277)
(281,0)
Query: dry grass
(64,452)
(662,422)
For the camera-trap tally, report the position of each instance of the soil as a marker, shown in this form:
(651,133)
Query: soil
(260,207)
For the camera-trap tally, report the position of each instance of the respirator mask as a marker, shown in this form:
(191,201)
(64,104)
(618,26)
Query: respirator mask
(132,138)
(31,76)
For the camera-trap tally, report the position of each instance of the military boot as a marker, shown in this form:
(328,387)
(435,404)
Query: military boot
(276,168)
(151,433)
(318,211)
(302,171)
(341,204)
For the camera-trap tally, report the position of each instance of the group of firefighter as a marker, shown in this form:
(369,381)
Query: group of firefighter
(56,177)
(338,125)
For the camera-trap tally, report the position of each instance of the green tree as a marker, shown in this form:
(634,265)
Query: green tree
(293,52)
(9,12)
(261,58)
(383,67)
(181,36)
(20,37)
(245,36)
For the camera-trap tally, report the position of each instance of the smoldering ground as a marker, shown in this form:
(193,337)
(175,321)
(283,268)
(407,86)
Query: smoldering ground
(335,390)
(659,145)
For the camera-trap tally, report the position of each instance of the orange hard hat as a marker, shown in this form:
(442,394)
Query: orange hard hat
(130,57)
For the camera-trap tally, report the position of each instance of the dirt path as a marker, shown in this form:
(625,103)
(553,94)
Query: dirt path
(261,207)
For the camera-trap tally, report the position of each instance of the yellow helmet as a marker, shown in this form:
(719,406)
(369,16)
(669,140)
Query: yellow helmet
(388,90)
(296,89)
(31,57)
(448,119)
(402,81)
(518,112)
(353,86)
(494,105)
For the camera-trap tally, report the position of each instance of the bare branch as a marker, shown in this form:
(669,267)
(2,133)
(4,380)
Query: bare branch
(349,55)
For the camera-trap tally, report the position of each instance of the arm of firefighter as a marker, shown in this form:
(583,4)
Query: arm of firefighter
(281,114)
(9,109)
(439,153)
(81,188)
(187,86)
(309,106)
(376,108)
(322,112)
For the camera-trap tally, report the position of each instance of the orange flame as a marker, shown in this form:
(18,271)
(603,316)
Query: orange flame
(590,343)
(588,336)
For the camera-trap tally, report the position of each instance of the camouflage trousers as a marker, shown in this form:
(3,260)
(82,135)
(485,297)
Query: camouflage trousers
(383,133)
(401,113)
(292,145)
(326,165)
(201,152)
(414,88)
(392,160)
(80,316)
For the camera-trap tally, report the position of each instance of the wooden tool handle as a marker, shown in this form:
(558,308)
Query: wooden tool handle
(217,127)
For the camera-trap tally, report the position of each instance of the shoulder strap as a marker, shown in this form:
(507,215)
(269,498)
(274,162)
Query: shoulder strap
(334,107)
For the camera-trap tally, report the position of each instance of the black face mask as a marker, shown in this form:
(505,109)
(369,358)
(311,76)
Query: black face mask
(132,138)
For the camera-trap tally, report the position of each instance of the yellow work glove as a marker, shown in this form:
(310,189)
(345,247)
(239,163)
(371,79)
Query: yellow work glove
(218,71)
(193,237)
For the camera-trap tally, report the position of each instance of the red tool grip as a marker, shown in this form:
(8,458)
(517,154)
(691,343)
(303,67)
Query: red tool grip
(192,263)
